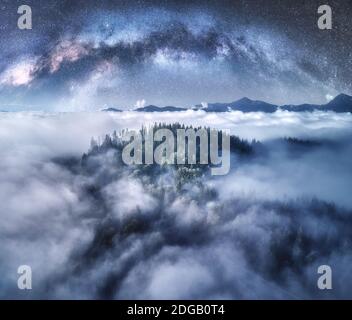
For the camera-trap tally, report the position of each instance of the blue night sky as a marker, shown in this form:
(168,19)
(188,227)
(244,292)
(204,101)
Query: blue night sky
(85,55)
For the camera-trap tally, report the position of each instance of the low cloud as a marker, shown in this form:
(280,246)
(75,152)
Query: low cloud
(140,103)
(106,231)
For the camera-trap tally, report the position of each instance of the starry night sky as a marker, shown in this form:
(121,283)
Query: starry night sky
(85,55)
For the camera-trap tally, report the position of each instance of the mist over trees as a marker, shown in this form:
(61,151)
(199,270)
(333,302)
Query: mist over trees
(92,227)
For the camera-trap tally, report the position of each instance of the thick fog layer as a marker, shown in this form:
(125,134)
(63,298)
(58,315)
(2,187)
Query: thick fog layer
(123,233)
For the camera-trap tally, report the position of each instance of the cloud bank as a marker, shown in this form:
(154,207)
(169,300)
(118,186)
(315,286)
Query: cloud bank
(106,231)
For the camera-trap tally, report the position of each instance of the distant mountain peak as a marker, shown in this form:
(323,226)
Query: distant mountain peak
(341,103)
(342,97)
(250,101)
(152,108)
(245,99)
(111,110)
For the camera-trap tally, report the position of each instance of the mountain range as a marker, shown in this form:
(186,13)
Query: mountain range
(341,103)
(244,105)
(152,108)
